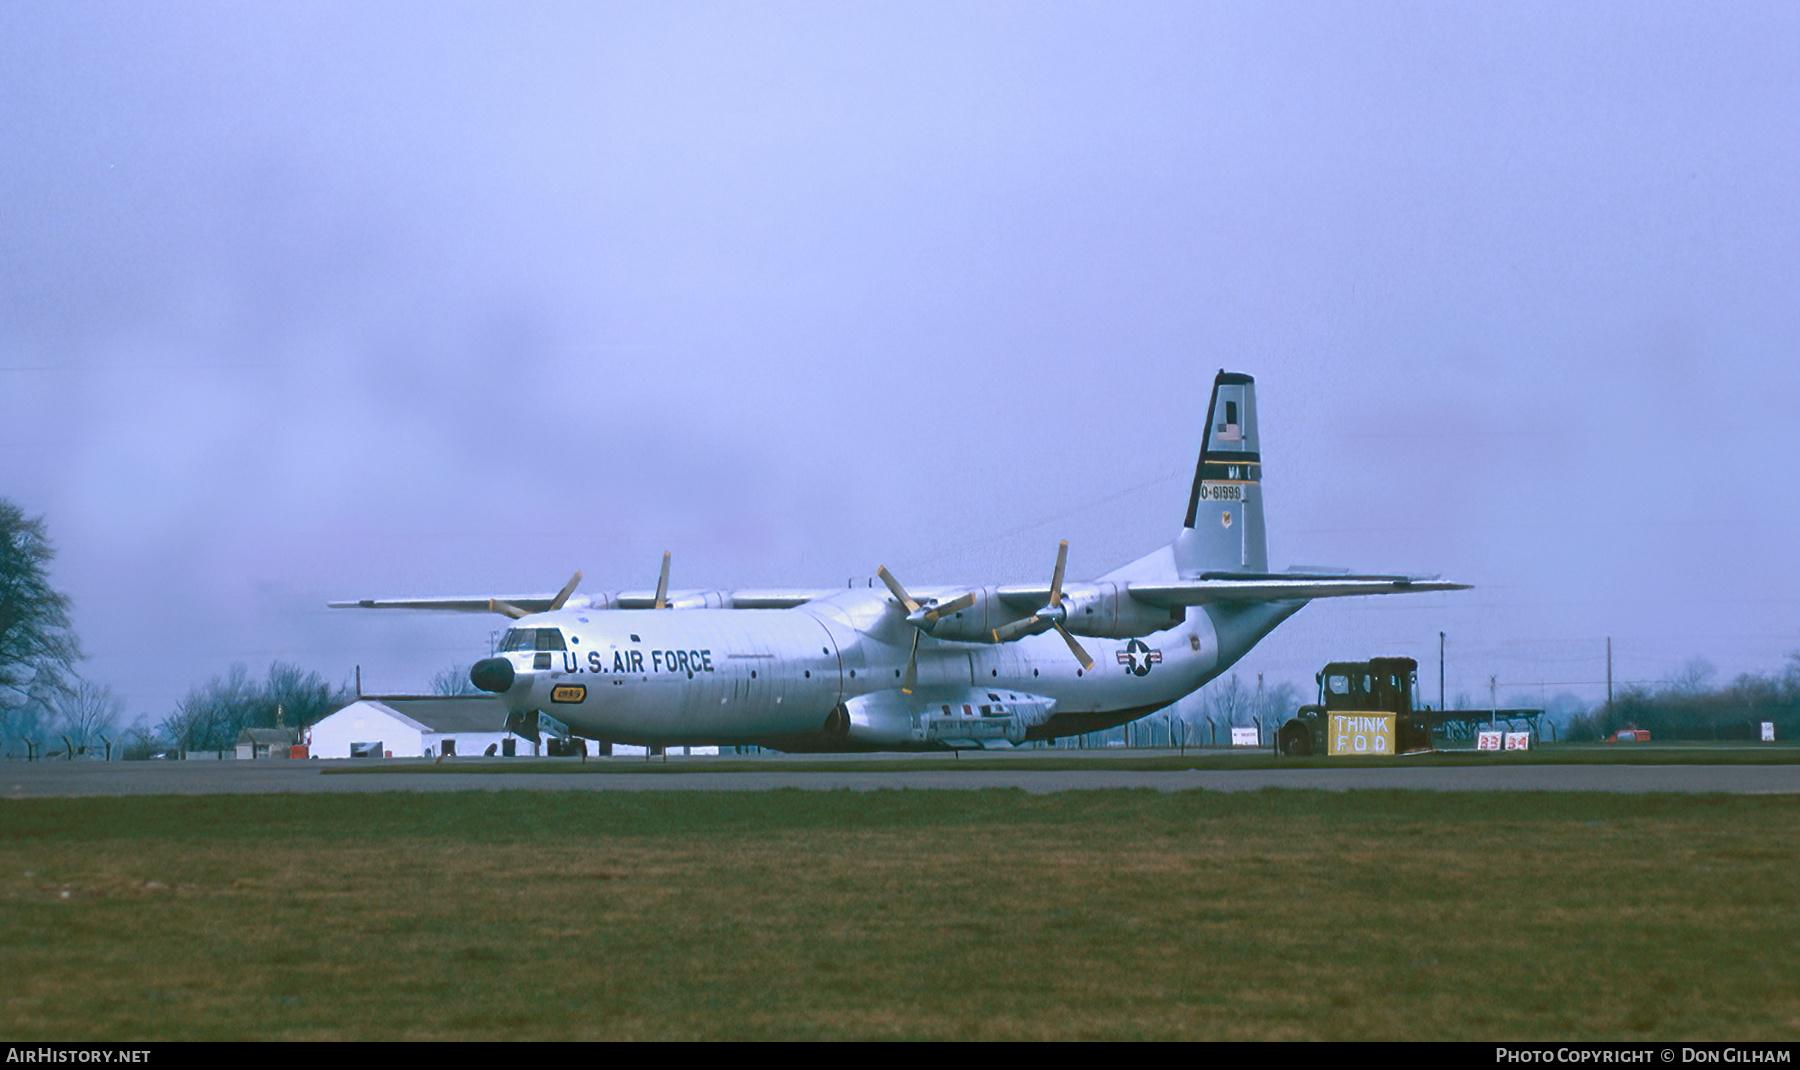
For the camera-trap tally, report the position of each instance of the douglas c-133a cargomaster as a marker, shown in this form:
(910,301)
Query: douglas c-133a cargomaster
(899,668)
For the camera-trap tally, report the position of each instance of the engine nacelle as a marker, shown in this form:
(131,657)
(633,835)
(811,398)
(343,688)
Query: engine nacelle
(1107,611)
(1101,610)
(976,624)
(683,599)
(964,718)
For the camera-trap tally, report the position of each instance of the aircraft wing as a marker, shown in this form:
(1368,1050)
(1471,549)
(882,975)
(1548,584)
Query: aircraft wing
(777,598)
(769,598)
(483,604)
(531,603)
(1280,588)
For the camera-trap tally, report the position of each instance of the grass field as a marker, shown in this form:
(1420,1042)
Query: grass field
(997,914)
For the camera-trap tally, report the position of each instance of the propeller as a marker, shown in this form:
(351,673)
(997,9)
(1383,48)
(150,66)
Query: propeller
(500,605)
(567,590)
(923,618)
(496,605)
(1052,614)
(662,585)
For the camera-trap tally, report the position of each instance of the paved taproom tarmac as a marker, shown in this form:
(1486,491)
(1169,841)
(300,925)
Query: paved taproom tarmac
(68,779)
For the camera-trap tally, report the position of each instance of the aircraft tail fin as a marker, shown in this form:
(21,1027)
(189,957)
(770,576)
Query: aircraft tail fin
(1224,531)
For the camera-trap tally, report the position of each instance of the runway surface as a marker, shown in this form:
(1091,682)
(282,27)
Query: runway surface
(71,779)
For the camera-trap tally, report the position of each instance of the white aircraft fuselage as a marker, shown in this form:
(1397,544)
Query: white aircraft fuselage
(777,676)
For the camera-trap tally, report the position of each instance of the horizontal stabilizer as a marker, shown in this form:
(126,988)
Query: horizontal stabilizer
(1342,574)
(1286,589)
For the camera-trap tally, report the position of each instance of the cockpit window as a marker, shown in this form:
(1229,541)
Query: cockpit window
(532,639)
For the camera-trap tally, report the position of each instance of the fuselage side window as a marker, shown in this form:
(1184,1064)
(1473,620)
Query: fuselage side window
(550,639)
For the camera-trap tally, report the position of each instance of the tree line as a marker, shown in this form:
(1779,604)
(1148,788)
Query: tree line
(212,717)
(45,703)
(1687,708)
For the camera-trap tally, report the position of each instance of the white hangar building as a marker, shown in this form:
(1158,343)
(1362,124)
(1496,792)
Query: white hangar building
(403,726)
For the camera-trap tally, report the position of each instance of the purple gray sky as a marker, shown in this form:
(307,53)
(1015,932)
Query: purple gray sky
(301,302)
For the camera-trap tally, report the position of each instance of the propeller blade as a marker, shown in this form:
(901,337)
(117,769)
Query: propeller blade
(662,584)
(936,613)
(1087,663)
(1007,632)
(1062,559)
(912,666)
(899,591)
(568,589)
(495,605)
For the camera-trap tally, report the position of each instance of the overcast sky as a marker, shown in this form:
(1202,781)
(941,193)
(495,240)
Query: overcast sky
(323,301)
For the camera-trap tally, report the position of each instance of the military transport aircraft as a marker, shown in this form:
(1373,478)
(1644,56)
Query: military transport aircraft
(898,668)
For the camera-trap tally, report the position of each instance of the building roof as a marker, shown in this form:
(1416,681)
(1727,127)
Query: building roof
(440,713)
(267,737)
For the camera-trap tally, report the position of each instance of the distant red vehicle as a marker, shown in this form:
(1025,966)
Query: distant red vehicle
(1630,735)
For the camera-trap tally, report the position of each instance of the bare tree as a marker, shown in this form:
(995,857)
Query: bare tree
(1693,677)
(211,717)
(140,740)
(1232,703)
(29,720)
(1278,704)
(453,681)
(88,712)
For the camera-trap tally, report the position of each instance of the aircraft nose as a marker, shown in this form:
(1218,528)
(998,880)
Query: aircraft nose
(492,674)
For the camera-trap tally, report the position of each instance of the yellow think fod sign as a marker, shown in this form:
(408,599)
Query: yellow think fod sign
(1361,733)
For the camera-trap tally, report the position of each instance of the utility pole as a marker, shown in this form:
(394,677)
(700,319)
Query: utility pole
(1493,701)
(1441,706)
(1609,674)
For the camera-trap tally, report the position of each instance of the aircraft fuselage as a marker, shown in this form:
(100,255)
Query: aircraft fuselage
(831,670)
